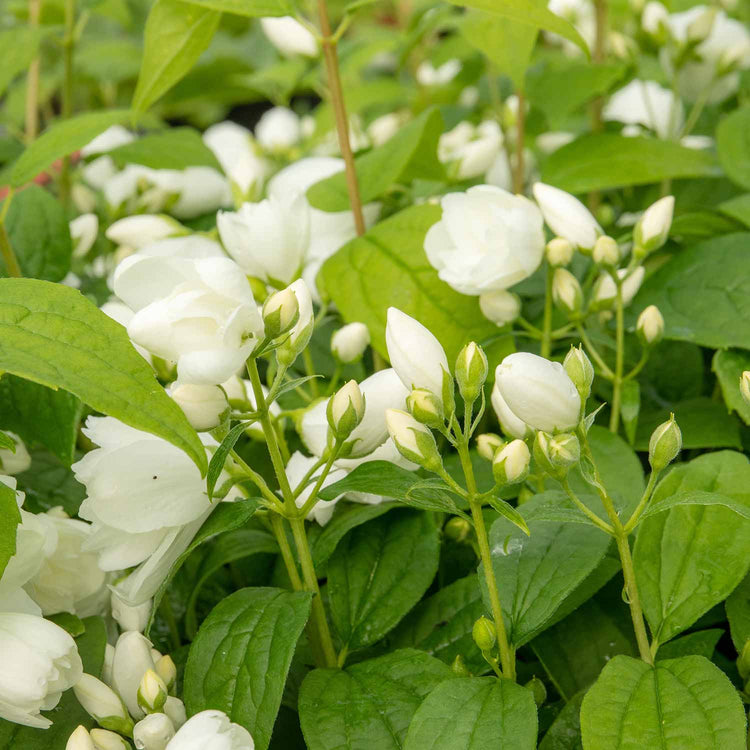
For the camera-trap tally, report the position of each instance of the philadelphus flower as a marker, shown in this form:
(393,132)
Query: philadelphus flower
(652,229)
(345,410)
(83,231)
(566,216)
(650,325)
(501,307)
(538,392)
(40,661)
(487,239)
(649,104)
(102,704)
(472,148)
(511,464)
(15,462)
(153,733)
(80,739)
(606,291)
(211,730)
(145,229)
(269,240)
(428,75)
(197,312)
(566,290)
(204,405)
(415,354)
(234,148)
(289,36)
(278,129)
(302,330)
(415,441)
(509,422)
(348,344)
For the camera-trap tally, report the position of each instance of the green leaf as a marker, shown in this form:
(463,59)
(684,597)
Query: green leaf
(387,267)
(600,161)
(475,713)
(729,366)
(369,705)
(738,208)
(175,148)
(239,661)
(216,464)
(19,45)
(49,483)
(678,704)
(738,614)
(704,293)
(441,625)
(535,574)
(39,234)
(249,8)
(7,442)
(177,33)
(565,732)
(529,13)
(68,622)
(696,497)
(11,517)
(92,644)
(41,415)
(226,517)
(52,335)
(691,557)
(378,572)
(701,643)
(733,146)
(507,511)
(62,139)
(506,43)
(412,150)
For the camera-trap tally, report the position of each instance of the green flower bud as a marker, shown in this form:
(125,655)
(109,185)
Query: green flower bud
(414,441)
(556,454)
(488,445)
(538,690)
(103,704)
(471,371)
(484,634)
(745,386)
(511,464)
(152,692)
(665,444)
(425,407)
(457,529)
(280,312)
(580,371)
(345,410)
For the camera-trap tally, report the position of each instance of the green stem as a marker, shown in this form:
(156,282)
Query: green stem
(32,80)
(603,525)
(547,324)
(519,167)
(257,480)
(633,520)
(310,370)
(614,420)
(277,524)
(634,601)
(168,613)
(6,249)
(66,109)
(594,352)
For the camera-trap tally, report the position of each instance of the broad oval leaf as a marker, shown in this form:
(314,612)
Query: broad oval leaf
(678,704)
(475,713)
(240,658)
(368,705)
(733,146)
(250,8)
(53,335)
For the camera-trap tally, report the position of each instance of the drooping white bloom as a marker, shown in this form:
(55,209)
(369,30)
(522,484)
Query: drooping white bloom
(509,422)
(473,149)
(269,239)
(197,312)
(111,138)
(83,231)
(538,392)
(487,239)
(18,462)
(203,405)
(649,104)
(428,75)
(143,229)
(415,354)
(289,36)
(607,291)
(348,344)
(40,661)
(211,730)
(501,307)
(566,216)
(278,129)
(234,148)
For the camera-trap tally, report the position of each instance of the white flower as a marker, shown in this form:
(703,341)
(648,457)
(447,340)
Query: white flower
(278,129)
(130,617)
(654,18)
(18,462)
(106,740)
(99,700)
(487,239)
(144,229)
(211,730)
(132,659)
(552,140)
(501,307)
(269,240)
(80,739)
(111,138)
(40,661)
(197,312)
(649,104)
(538,392)
(653,227)
(383,128)
(415,354)
(607,291)
(473,149)
(348,344)
(566,216)
(203,405)
(509,422)
(202,190)
(233,147)
(83,231)
(153,733)
(428,75)
(289,36)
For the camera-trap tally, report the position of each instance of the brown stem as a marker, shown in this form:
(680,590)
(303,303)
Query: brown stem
(330,53)
(32,79)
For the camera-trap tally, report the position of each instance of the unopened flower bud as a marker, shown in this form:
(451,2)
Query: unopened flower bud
(580,371)
(153,733)
(167,670)
(566,291)
(488,445)
(733,57)
(106,740)
(280,312)
(80,739)
(664,445)
(457,529)
(538,690)
(700,28)
(205,406)
(556,454)
(511,463)
(345,410)
(654,20)
(653,227)
(425,407)
(606,251)
(458,666)
(559,251)
(103,704)
(152,692)
(501,307)
(484,634)
(743,662)
(174,708)
(745,386)
(650,326)
(302,331)
(348,344)
(471,371)
(414,441)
